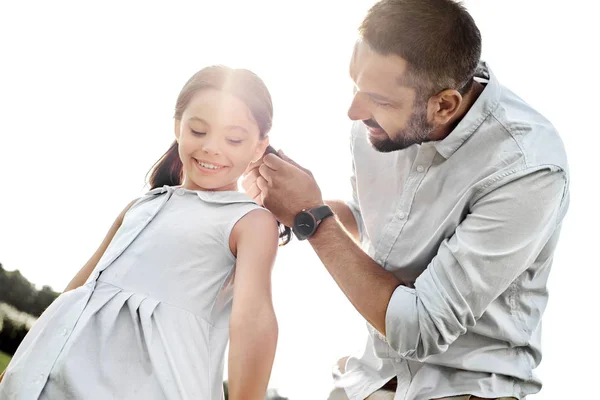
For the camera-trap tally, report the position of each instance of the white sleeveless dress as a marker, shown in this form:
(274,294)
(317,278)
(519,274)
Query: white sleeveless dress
(152,322)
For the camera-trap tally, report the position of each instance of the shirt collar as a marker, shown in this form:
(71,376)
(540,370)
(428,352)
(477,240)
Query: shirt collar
(217,197)
(480,110)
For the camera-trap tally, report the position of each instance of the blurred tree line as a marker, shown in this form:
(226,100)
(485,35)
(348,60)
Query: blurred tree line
(20,294)
(17,291)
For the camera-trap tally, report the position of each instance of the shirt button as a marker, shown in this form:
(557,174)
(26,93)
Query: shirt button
(402,215)
(180,191)
(64,332)
(420,168)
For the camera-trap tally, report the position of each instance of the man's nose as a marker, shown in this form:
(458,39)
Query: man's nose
(358,110)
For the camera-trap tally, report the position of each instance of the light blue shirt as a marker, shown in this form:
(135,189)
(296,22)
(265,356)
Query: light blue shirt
(470,224)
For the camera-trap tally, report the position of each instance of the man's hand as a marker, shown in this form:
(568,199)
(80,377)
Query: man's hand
(282,186)
(249,181)
(285,188)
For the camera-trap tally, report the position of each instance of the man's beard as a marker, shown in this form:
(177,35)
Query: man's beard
(417,131)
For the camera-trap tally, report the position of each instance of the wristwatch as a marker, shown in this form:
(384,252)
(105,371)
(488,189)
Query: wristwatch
(306,222)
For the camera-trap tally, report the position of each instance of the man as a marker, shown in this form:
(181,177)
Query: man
(460,189)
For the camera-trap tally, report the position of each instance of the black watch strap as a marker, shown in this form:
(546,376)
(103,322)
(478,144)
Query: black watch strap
(321,212)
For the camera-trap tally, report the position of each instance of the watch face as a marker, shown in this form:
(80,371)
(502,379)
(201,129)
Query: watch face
(304,224)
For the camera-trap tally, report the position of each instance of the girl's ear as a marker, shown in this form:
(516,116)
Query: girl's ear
(177,129)
(261,147)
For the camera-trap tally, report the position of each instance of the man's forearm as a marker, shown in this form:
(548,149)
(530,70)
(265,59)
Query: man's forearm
(344,214)
(367,285)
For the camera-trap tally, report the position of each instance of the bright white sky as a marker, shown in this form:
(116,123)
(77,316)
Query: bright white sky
(86,99)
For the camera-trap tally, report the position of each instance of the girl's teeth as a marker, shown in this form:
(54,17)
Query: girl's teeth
(209,166)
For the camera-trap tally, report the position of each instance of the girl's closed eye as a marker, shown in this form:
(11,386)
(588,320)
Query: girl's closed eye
(235,140)
(198,133)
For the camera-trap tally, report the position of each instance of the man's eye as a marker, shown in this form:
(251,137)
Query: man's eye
(198,133)
(380,104)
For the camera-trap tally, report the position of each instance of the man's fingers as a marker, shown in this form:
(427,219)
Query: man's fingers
(250,183)
(249,179)
(286,158)
(262,184)
(265,173)
(258,199)
(294,163)
(254,165)
(273,162)
(282,163)
(253,191)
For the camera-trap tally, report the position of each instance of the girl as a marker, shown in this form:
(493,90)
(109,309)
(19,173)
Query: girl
(183,269)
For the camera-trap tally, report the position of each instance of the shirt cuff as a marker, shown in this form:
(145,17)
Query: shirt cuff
(401,321)
(419,322)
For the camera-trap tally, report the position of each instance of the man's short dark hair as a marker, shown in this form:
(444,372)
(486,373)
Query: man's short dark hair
(438,39)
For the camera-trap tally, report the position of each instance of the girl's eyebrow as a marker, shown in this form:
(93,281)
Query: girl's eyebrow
(198,119)
(237,127)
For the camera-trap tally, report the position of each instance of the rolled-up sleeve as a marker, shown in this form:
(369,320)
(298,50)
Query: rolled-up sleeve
(497,241)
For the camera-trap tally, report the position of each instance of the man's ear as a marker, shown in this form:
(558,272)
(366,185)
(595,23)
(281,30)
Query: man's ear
(443,106)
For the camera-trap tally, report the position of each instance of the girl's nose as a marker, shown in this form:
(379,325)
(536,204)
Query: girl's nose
(210,147)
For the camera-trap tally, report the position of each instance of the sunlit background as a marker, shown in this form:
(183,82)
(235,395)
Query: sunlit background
(87,92)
